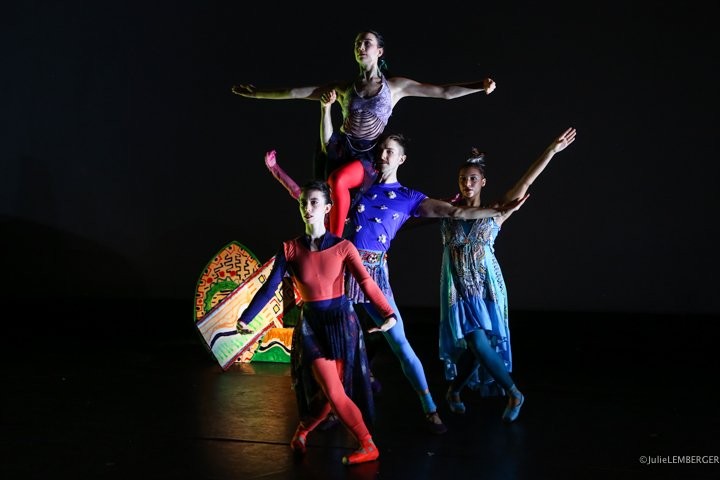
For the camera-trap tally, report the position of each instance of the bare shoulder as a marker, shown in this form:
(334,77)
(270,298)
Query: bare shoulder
(402,87)
(400,82)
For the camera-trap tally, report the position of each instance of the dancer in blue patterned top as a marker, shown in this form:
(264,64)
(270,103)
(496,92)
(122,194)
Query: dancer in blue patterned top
(374,221)
(474,329)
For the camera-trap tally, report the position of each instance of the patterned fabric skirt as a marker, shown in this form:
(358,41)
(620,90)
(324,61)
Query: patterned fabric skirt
(375,263)
(460,315)
(473,314)
(330,330)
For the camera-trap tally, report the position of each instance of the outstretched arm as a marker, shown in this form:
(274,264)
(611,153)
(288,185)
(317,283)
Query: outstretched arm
(264,294)
(326,126)
(433,208)
(302,93)
(406,87)
(521,187)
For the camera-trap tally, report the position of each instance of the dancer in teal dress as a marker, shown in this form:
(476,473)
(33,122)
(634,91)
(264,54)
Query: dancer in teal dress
(474,328)
(474,297)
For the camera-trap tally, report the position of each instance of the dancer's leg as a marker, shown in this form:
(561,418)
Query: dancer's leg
(409,361)
(479,344)
(319,408)
(466,366)
(341,181)
(484,352)
(308,425)
(328,374)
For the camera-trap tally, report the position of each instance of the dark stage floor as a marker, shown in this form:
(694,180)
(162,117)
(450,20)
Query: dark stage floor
(129,392)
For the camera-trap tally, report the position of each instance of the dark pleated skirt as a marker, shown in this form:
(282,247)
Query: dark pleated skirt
(330,330)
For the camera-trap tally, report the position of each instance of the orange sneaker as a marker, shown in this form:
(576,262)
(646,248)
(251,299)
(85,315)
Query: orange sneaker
(366,453)
(299,439)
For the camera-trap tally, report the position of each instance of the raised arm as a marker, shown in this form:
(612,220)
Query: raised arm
(280,175)
(326,126)
(406,87)
(433,208)
(521,186)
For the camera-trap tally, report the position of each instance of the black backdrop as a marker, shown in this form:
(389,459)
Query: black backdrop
(127,162)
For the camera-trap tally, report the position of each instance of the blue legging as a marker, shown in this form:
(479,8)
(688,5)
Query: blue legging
(409,361)
(480,352)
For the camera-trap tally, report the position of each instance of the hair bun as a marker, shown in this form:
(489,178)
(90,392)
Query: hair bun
(476,157)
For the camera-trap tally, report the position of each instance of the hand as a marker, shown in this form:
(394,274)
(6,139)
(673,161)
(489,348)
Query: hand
(244,90)
(328,98)
(243,329)
(387,325)
(488,85)
(270,160)
(512,205)
(563,141)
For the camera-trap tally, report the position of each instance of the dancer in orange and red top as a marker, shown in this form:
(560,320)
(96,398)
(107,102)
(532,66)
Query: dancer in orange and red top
(328,359)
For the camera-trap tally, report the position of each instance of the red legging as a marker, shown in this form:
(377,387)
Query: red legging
(328,374)
(341,181)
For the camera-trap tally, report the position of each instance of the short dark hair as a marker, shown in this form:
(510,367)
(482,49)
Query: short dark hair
(319,185)
(397,137)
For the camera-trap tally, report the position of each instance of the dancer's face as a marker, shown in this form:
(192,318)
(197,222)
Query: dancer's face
(390,157)
(470,182)
(367,50)
(313,207)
